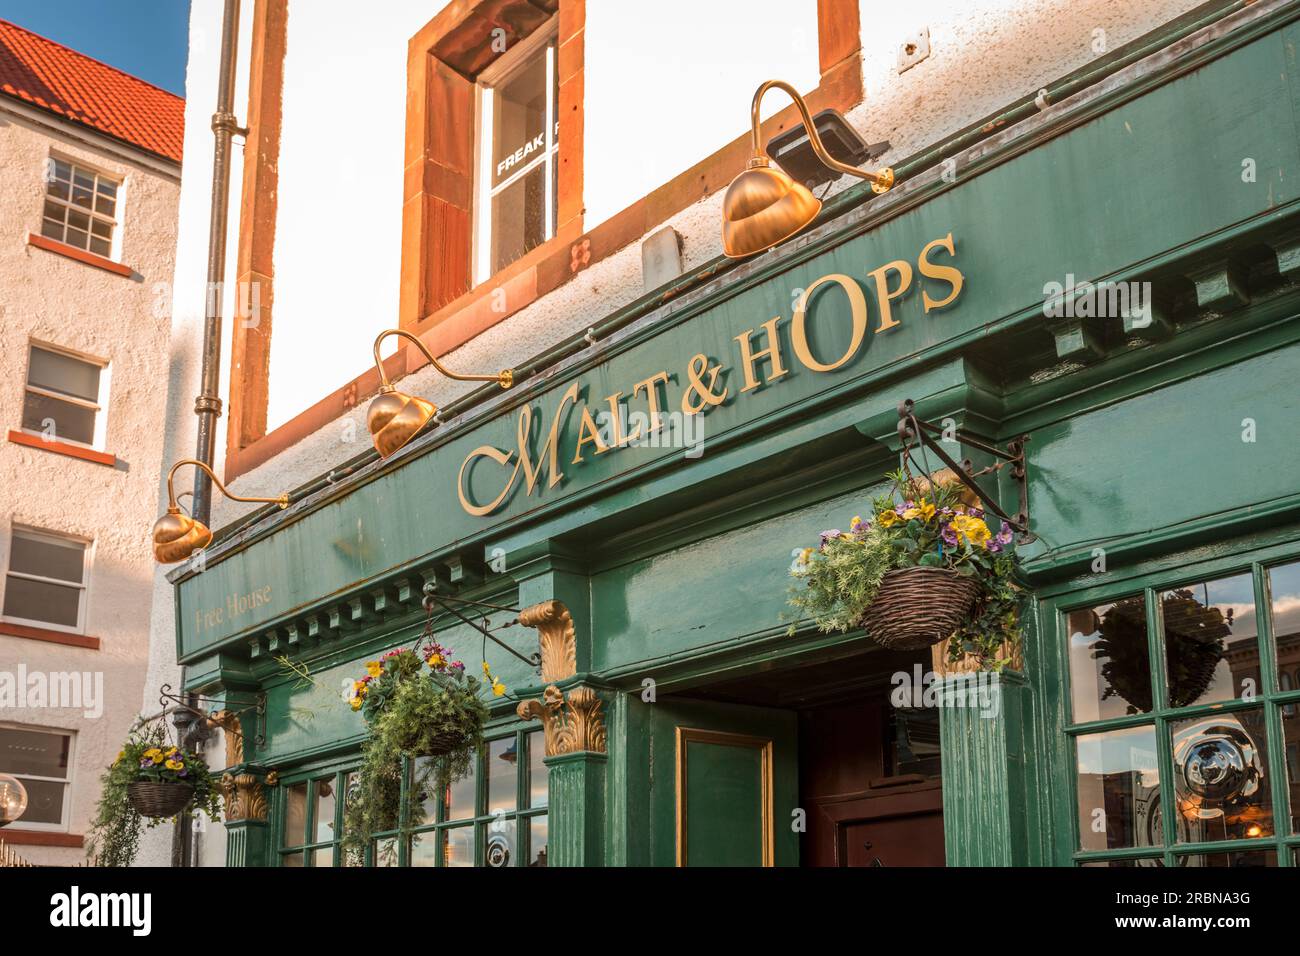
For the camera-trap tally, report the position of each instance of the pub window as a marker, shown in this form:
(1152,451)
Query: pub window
(1184,722)
(80,207)
(45,583)
(42,760)
(494,817)
(65,396)
(517,149)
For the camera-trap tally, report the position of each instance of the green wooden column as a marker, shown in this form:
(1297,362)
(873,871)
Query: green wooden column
(247,843)
(989,802)
(577,809)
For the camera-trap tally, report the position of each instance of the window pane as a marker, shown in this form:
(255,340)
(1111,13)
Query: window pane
(1291,734)
(107,188)
(537,836)
(295,815)
(76,237)
(291,859)
(386,852)
(61,420)
(53,211)
(423,775)
(81,196)
(61,169)
(1284,610)
(537,786)
(1110,670)
(502,843)
(422,849)
(25,752)
(1145,861)
(52,230)
(39,601)
(519,119)
(44,801)
(65,374)
(518,218)
(1241,858)
(458,846)
(58,188)
(1210,648)
(325,802)
(460,796)
(78,220)
(502,774)
(1221,780)
(323,856)
(1119,792)
(64,560)
(105,205)
(100,247)
(101,228)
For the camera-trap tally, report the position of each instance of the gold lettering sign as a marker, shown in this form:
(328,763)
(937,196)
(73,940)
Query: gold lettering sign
(758,357)
(237,604)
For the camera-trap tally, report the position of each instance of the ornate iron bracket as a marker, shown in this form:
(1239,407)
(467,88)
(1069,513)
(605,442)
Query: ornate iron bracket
(913,430)
(433,599)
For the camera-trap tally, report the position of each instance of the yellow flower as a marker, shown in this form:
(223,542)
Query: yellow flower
(374,668)
(926,510)
(153,753)
(436,660)
(174,765)
(498,688)
(888,518)
(973,530)
(357,701)
(806,554)
(120,755)
(486,669)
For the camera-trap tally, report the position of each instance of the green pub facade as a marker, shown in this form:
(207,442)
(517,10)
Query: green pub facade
(1111,272)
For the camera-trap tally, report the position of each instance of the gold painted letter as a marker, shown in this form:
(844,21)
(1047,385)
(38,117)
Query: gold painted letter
(857,311)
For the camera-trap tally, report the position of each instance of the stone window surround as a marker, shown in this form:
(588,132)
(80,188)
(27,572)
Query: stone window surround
(432,303)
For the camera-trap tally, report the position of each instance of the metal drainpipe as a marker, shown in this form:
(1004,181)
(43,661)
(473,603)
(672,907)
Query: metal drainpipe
(207,406)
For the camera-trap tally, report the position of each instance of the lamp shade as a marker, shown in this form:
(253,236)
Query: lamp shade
(762,207)
(13,799)
(394,418)
(176,536)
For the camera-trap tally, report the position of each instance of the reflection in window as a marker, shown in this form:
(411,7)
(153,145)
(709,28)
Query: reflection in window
(502,774)
(1241,858)
(458,846)
(1110,668)
(324,810)
(502,840)
(1221,781)
(1118,787)
(295,815)
(537,841)
(1210,648)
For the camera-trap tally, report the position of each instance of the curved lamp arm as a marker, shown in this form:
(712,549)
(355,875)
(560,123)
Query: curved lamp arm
(880,181)
(505,378)
(281,500)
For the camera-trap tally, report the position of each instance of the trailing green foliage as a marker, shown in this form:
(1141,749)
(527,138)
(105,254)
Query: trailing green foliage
(920,524)
(114,837)
(412,713)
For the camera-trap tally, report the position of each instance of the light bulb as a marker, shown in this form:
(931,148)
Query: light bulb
(13,799)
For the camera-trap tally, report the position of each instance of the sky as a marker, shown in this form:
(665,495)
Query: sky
(146,38)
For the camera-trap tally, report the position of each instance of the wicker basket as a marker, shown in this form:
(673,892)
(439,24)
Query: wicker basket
(159,800)
(919,607)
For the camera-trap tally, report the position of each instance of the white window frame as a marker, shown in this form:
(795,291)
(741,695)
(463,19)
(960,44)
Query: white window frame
(86,564)
(65,821)
(99,406)
(485,86)
(114,221)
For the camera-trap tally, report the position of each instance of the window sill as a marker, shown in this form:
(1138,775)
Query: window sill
(48,635)
(41,838)
(81,255)
(63,448)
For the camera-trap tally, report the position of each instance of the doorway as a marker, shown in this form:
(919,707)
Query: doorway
(851,779)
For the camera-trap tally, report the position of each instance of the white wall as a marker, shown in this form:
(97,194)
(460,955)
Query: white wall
(645,65)
(340,204)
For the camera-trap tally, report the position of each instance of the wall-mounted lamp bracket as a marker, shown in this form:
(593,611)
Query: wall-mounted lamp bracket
(433,599)
(913,431)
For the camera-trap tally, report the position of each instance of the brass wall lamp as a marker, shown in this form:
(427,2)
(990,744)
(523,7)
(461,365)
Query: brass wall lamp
(394,417)
(764,206)
(176,535)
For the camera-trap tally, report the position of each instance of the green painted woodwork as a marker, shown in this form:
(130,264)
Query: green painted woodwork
(725,814)
(577,817)
(1076,200)
(247,843)
(987,816)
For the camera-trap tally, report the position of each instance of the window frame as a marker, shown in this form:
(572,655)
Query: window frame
(83,600)
(498,73)
(65,814)
(114,221)
(99,406)
(1284,842)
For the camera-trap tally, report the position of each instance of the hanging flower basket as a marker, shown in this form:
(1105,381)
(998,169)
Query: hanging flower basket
(159,800)
(923,569)
(919,607)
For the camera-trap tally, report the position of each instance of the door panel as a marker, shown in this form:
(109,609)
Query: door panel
(724,784)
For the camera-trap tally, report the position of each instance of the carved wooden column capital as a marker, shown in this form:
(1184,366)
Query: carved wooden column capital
(571,723)
(244,792)
(555,637)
